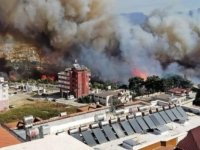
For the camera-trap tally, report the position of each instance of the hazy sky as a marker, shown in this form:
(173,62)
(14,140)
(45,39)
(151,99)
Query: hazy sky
(146,6)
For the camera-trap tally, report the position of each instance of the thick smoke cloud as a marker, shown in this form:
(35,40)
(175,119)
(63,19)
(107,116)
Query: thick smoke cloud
(108,44)
(166,43)
(59,23)
(178,42)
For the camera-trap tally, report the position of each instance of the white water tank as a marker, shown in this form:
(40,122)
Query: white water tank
(32,134)
(28,121)
(99,117)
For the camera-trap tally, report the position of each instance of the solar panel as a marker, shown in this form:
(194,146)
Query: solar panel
(165,117)
(177,114)
(142,123)
(159,118)
(89,139)
(118,130)
(135,125)
(99,135)
(170,114)
(125,124)
(77,136)
(183,113)
(109,132)
(155,121)
(149,122)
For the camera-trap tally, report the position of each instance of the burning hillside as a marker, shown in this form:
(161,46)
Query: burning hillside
(64,30)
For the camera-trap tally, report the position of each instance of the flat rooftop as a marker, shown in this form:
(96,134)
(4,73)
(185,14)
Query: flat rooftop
(143,140)
(51,142)
(161,96)
(108,93)
(176,130)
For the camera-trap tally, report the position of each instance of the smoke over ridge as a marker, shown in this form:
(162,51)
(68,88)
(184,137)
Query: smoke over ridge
(107,43)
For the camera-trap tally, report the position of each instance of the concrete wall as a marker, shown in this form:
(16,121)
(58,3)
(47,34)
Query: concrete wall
(103,100)
(150,95)
(162,103)
(72,122)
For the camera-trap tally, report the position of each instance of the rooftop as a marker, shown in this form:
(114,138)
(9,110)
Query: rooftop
(176,130)
(75,66)
(179,90)
(167,97)
(7,139)
(63,142)
(108,93)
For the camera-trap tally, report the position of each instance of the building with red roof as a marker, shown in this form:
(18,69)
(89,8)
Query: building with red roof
(191,141)
(178,91)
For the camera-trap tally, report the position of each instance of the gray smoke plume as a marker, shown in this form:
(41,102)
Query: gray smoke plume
(108,44)
(59,23)
(177,42)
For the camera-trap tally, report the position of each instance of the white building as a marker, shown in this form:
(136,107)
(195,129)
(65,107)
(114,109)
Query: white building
(106,97)
(4,103)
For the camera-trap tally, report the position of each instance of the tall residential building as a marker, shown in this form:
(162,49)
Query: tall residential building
(4,103)
(74,81)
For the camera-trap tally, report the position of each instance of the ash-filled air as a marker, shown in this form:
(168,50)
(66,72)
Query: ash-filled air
(111,46)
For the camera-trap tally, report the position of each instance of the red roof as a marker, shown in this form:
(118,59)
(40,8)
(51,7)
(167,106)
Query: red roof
(191,141)
(7,139)
(177,90)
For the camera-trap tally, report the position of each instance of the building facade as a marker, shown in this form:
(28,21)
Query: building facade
(4,103)
(74,81)
(106,98)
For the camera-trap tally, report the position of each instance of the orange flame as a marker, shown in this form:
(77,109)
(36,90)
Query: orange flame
(48,77)
(139,73)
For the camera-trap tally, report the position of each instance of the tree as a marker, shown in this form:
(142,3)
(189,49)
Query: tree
(178,81)
(96,85)
(87,99)
(114,104)
(166,84)
(123,86)
(154,84)
(169,82)
(197,98)
(104,85)
(136,84)
(186,84)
